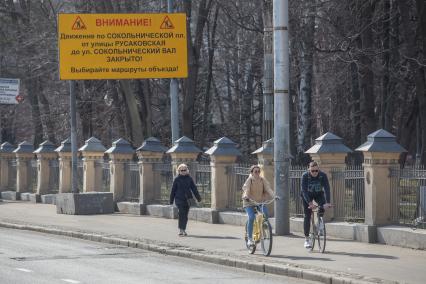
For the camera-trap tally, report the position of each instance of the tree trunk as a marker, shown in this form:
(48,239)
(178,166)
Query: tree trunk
(211,50)
(306,69)
(48,126)
(193,63)
(145,95)
(268,73)
(420,76)
(366,71)
(32,89)
(132,108)
(386,61)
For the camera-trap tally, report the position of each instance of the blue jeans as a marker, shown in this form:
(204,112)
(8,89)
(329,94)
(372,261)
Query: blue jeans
(251,217)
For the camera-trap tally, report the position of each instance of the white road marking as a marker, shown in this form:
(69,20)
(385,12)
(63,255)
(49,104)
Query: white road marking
(24,270)
(70,281)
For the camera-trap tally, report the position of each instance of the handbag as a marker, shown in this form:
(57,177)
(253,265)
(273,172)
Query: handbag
(191,200)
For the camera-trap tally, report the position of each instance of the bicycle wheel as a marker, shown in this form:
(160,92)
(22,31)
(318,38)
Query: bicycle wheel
(312,232)
(321,235)
(266,239)
(252,248)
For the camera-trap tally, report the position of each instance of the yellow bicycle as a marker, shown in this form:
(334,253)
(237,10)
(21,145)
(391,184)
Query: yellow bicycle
(262,230)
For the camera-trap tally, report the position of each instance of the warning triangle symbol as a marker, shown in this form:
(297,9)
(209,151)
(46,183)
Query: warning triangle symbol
(78,24)
(167,24)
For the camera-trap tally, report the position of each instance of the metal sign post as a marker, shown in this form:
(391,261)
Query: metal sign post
(73,119)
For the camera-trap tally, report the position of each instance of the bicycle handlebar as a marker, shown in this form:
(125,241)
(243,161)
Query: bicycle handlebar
(324,207)
(255,203)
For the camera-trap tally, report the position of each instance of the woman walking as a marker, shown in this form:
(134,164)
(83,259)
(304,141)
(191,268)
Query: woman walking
(183,192)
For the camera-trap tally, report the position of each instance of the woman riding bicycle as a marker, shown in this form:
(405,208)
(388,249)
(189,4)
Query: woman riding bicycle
(255,188)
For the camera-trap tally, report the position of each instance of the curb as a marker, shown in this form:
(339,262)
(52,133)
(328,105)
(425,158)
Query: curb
(287,269)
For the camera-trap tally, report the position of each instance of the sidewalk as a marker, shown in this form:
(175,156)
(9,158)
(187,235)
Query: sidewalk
(343,262)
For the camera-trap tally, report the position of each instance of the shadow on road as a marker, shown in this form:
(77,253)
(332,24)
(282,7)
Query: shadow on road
(212,237)
(366,255)
(308,257)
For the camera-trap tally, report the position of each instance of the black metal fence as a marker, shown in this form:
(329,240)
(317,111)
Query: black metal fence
(295,202)
(32,175)
(348,193)
(237,175)
(53,176)
(408,196)
(80,175)
(202,181)
(106,175)
(131,182)
(163,177)
(12,175)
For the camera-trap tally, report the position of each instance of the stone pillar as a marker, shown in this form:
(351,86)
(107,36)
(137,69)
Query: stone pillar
(45,153)
(24,155)
(6,155)
(150,153)
(330,153)
(265,158)
(224,153)
(184,151)
(93,152)
(65,168)
(381,152)
(120,153)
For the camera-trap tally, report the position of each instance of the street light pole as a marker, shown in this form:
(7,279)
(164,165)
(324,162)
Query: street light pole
(281,116)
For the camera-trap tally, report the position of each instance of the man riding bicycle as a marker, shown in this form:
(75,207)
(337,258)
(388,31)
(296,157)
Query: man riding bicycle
(314,185)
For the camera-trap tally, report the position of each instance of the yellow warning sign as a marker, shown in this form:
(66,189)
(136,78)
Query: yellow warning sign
(122,46)
(167,24)
(78,24)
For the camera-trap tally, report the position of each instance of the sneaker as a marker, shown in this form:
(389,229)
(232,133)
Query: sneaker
(181,233)
(250,242)
(307,243)
(185,234)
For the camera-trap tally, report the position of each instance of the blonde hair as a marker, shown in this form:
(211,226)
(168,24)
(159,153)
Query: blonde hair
(182,166)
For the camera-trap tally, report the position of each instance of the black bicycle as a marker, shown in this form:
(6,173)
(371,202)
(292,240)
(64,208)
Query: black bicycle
(318,232)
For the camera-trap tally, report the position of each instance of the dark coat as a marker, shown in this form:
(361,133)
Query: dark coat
(181,190)
(315,185)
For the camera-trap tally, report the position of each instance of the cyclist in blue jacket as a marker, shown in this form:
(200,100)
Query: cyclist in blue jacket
(314,185)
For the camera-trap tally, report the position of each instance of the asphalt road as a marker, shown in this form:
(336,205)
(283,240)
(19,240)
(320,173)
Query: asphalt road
(29,257)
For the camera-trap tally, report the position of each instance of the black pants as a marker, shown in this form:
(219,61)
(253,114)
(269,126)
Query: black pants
(319,198)
(183,211)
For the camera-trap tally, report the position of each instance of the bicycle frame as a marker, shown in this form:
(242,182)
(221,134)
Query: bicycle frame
(316,234)
(262,230)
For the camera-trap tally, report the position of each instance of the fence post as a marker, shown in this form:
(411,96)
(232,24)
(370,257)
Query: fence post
(120,153)
(265,158)
(149,153)
(184,151)
(64,152)
(92,151)
(44,153)
(381,152)
(223,154)
(6,154)
(24,154)
(330,153)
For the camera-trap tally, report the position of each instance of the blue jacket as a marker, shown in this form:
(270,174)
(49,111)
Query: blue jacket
(314,185)
(181,190)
